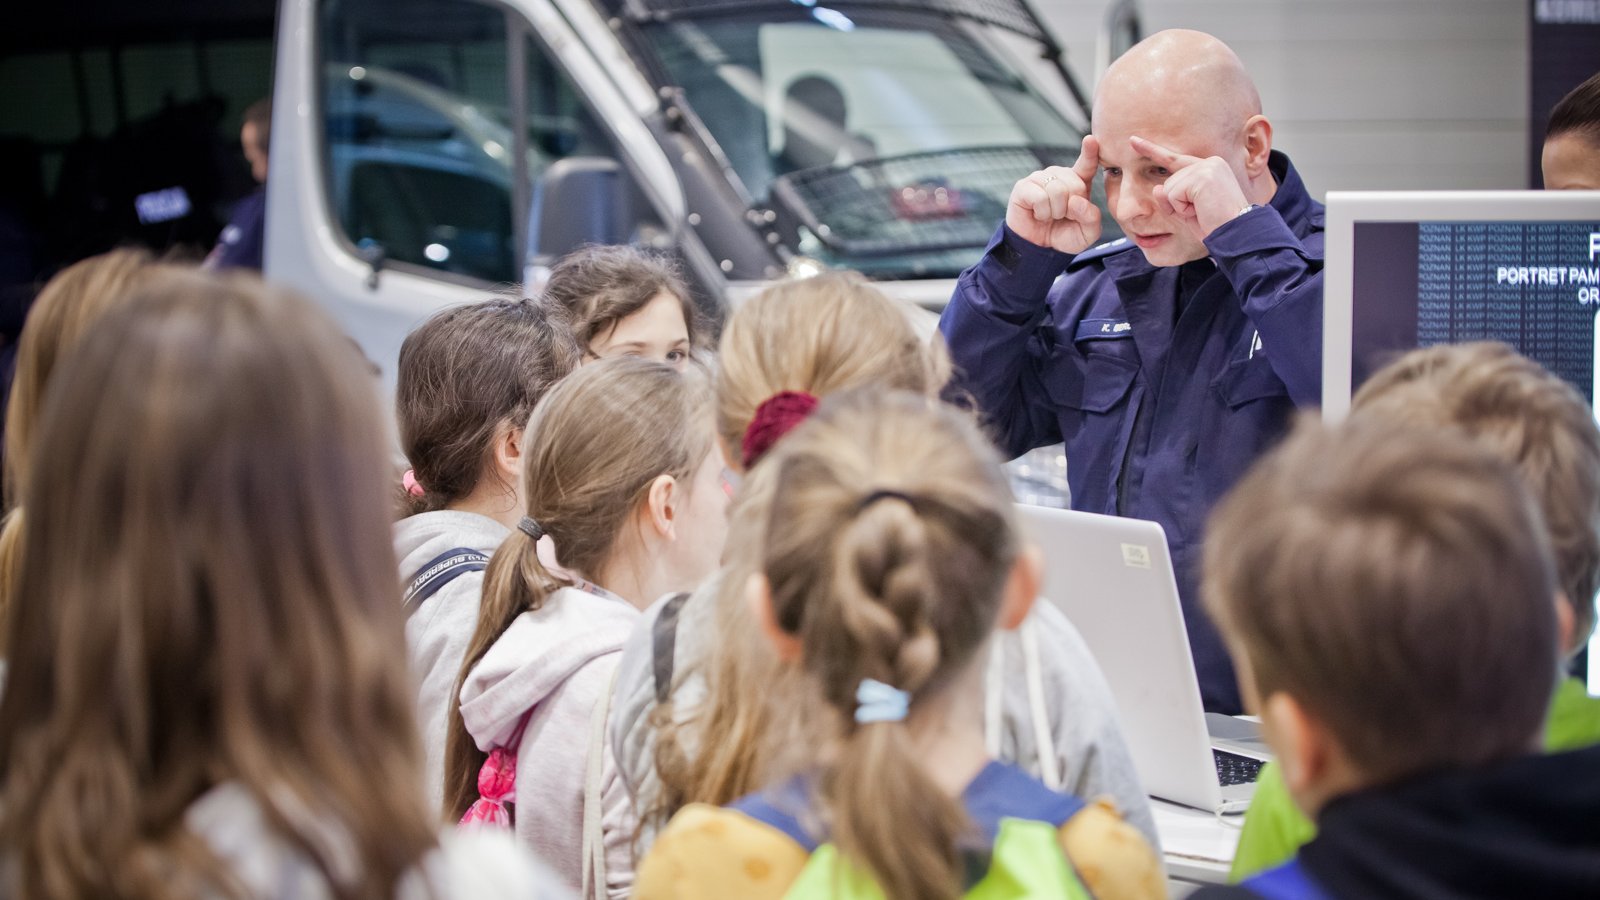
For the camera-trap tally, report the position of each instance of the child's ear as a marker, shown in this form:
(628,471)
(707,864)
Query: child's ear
(1566,624)
(661,506)
(508,453)
(758,594)
(1300,746)
(1022,587)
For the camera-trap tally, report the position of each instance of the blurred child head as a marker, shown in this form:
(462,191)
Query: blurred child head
(1385,591)
(891,555)
(468,380)
(626,302)
(70,304)
(68,307)
(208,530)
(620,467)
(1530,418)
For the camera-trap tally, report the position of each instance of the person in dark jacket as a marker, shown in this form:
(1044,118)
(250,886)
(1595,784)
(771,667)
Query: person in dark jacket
(1390,595)
(1170,359)
(242,243)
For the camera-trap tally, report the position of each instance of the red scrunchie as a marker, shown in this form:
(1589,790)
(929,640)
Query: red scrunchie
(775,417)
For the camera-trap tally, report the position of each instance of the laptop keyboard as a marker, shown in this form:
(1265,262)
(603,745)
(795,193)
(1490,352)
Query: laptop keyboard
(1232,768)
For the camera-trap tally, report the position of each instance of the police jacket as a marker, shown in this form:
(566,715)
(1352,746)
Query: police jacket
(1165,383)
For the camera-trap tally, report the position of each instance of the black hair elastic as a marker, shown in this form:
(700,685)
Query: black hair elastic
(530,528)
(875,496)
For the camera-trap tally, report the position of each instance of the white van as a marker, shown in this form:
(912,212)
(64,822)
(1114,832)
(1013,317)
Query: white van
(427,152)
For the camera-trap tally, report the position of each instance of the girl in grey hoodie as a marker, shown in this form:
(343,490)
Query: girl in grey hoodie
(622,474)
(469,378)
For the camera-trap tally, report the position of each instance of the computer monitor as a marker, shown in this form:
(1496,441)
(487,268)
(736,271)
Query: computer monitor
(1411,269)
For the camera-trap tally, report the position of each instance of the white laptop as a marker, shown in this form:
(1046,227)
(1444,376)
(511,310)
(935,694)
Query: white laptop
(1113,579)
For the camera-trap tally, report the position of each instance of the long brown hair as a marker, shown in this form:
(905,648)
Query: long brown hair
(68,306)
(590,453)
(216,603)
(600,285)
(464,374)
(821,335)
(888,544)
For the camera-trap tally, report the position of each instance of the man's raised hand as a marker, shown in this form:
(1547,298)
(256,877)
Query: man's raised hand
(1201,193)
(1051,208)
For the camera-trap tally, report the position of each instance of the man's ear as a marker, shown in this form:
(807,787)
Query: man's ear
(1257,145)
(661,506)
(1022,587)
(758,594)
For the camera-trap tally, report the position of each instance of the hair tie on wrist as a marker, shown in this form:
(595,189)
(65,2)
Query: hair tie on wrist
(775,417)
(879,702)
(530,528)
(410,483)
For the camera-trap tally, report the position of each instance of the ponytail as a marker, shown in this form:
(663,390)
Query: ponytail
(516,581)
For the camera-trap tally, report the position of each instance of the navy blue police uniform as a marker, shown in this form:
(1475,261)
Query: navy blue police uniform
(1165,383)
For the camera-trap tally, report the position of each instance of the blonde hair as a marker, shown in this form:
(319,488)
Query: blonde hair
(1528,417)
(215,603)
(888,545)
(68,307)
(1397,583)
(590,453)
(820,335)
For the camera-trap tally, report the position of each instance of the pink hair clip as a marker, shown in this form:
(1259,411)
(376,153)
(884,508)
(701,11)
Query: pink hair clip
(412,486)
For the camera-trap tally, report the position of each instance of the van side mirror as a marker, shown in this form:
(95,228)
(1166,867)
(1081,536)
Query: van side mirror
(579,200)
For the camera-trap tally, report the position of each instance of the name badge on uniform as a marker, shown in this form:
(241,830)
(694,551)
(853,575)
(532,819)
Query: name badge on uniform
(1104,329)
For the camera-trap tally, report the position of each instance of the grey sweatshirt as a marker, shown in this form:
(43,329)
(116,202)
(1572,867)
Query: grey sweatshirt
(438,633)
(557,661)
(476,863)
(1089,749)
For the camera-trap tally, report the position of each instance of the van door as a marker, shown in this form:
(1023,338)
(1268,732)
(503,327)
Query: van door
(410,139)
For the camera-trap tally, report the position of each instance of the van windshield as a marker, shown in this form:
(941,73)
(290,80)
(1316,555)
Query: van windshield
(887,142)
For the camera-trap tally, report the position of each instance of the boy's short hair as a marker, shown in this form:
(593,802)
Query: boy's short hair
(1530,418)
(1396,583)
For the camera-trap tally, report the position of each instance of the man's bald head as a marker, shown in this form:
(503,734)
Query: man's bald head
(1187,78)
(1187,93)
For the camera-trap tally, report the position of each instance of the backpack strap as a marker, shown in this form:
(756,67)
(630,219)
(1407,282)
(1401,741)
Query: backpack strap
(781,806)
(440,571)
(664,645)
(594,849)
(1287,882)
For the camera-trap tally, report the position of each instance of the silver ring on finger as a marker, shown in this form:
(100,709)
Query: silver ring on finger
(1047,180)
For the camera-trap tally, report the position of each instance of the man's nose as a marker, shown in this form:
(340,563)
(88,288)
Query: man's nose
(1132,201)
